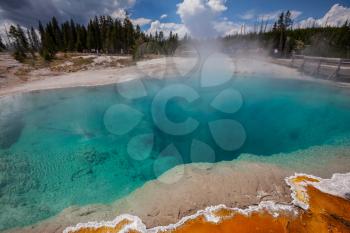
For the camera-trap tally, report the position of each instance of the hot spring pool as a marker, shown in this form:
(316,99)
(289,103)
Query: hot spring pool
(81,146)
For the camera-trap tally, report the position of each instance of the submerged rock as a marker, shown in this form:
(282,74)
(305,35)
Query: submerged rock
(11,129)
(81,173)
(94,157)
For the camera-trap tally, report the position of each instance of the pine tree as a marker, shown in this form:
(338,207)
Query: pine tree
(138,32)
(72,36)
(35,39)
(2,45)
(282,32)
(129,35)
(107,34)
(41,32)
(171,44)
(56,33)
(48,47)
(97,34)
(81,38)
(90,40)
(280,22)
(156,37)
(31,47)
(22,37)
(118,28)
(161,37)
(20,42)
(288,22)
(66,31)
(114,37)
(102,34)
(274,28)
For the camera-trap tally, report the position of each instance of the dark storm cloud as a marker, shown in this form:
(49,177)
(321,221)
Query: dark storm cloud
(28,12)
(13,4)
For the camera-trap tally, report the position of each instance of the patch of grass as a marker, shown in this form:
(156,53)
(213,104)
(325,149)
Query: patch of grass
(22,73)
(126,62)
(36,63)
(80,61)
(71,64)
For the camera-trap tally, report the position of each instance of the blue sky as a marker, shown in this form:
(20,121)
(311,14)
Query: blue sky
(311,8)
(238,12)
(196,17)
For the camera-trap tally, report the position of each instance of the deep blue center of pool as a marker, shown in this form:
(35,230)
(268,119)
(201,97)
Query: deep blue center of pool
(55,149)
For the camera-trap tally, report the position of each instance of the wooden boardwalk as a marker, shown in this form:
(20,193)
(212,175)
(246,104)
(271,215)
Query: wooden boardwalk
(336,69)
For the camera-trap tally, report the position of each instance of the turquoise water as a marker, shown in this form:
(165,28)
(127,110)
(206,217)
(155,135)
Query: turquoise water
(61,147)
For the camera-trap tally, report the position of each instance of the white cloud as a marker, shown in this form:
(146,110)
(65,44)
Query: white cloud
(270,16)
(190,7)
(5,28)
(157,26)
(141,21)
(119,14)
(226,27)
(336,16)
(275,14)
(199,16)
(217,5)
(163,16)
(5,25)
(307,23)
(296,14)
(248,15)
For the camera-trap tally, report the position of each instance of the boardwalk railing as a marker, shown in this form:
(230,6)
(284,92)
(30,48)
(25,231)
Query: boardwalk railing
(329,68)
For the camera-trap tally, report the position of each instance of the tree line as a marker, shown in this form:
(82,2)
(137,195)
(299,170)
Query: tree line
(113,36)
(101,35)
(283,39)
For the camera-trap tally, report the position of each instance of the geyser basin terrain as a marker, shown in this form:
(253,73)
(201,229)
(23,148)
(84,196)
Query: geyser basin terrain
(323,207)
(104,142)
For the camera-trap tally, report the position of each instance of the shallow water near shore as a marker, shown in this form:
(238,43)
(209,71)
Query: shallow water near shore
(61,148)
